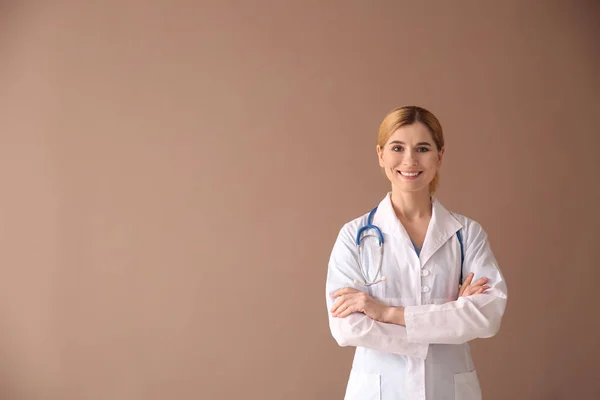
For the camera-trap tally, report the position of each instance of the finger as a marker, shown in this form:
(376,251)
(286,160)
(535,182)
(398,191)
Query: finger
(344,299)
(341,300)
(349,310)
(465,284)
(343,308)
(468,279)
(338,302)
(471,290)
(481,281)
(480,289)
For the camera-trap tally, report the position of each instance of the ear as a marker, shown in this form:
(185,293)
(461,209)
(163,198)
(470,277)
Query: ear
(380,156)
(441,155)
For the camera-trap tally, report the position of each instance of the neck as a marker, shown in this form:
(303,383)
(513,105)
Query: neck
(411,205)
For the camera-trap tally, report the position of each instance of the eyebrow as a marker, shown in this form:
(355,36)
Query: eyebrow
(418,144)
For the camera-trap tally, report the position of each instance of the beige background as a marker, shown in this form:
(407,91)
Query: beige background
(174,175)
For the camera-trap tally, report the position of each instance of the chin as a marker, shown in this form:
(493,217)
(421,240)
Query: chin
(403,187)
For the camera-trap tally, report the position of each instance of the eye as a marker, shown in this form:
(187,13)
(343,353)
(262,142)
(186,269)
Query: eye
(397,148)
(422,149)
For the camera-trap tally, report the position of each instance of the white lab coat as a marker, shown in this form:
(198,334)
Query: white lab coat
(430,357)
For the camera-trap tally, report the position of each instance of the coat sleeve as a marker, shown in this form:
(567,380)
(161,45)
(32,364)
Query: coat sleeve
(357,329)
(468,318)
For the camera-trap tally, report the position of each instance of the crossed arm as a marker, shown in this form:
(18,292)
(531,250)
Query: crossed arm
(350,300)
(357,319)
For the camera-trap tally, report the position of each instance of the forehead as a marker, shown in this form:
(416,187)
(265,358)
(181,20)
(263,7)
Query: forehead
(413,133)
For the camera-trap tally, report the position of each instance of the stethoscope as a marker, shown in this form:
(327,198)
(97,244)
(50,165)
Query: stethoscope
(359,241)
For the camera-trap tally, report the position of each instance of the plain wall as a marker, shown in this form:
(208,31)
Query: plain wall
(174,175)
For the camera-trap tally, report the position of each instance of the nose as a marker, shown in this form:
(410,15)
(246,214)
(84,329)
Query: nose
(410,158)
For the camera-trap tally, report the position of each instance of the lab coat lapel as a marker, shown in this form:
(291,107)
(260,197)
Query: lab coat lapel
(441,228)
(388,221)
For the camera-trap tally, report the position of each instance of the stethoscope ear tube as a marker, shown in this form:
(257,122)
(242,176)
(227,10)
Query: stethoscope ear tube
(357,282)
(364,272)
(359,240)
(379,235)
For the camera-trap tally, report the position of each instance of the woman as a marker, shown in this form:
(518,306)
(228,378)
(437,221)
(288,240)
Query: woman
(411,322)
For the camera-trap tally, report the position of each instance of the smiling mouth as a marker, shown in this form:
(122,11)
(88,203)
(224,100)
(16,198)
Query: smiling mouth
(410,175)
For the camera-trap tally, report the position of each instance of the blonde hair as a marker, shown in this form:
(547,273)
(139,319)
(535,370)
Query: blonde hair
(408,115)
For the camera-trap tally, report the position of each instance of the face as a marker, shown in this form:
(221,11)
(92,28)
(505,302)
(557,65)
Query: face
(410,158)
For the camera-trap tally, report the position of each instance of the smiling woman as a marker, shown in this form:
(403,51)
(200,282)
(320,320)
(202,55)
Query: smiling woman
(424,130)
(411,328)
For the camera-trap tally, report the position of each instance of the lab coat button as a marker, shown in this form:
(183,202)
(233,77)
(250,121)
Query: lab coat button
(425,272)
(425,289)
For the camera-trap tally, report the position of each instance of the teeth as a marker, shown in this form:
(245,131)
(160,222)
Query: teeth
(409,173)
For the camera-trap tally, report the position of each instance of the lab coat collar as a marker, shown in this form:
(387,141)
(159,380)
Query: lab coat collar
(442,226)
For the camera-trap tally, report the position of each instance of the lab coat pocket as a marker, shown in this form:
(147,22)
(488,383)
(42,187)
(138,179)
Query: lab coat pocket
(363,386)
(466,386)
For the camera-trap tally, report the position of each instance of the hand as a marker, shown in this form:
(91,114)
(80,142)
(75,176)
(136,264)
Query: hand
(351,300)
(477,287)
